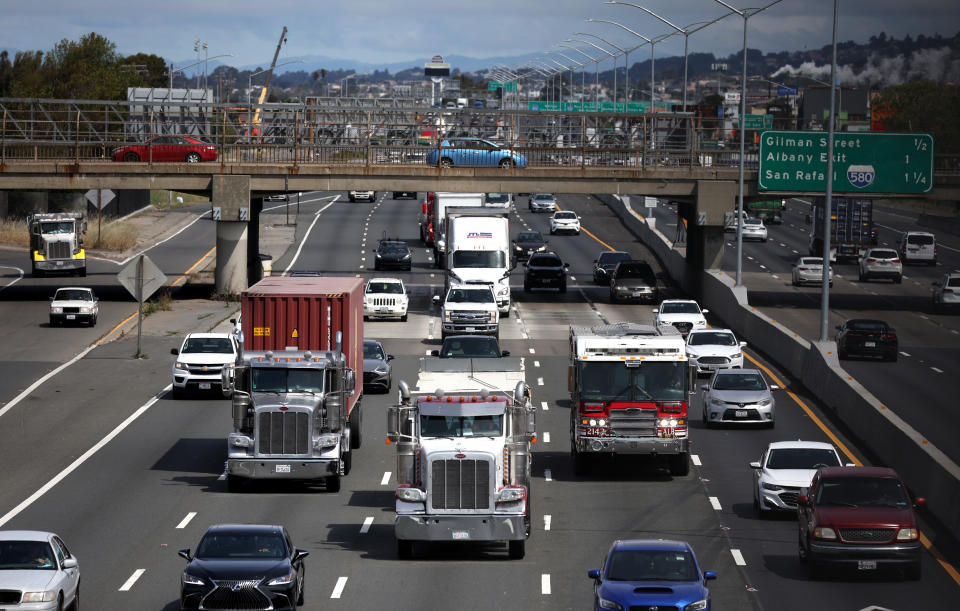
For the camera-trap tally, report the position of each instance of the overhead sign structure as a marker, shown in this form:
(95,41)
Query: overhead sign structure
(510,86)
(627,107)
(862,162)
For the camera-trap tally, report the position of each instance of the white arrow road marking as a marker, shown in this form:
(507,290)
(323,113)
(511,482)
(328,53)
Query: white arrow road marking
(132,580)
(544,406)
(546,522)
(547,475)
(696,459)
(546,437)
(183,523)
(338,589)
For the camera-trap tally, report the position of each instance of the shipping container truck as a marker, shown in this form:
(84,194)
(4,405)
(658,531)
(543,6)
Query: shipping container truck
(851,228)
(770,210)
(298,384)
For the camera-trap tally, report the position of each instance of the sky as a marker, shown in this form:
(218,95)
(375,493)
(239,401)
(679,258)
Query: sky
(386,32)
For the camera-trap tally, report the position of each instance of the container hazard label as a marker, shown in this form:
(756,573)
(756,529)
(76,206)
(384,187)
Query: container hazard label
(261,331)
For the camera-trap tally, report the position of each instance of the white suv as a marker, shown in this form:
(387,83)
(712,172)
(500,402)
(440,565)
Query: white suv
(946,291)
(881,263)
(565,221)
(385,298)
(200,360)
(684,314)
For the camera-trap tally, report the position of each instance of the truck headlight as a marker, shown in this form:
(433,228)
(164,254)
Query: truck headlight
(824,532)
(446,316)
(410,495)
(908,534)
(667,422)
(190,580)
(283,579)
(503,292)
(493,316)
(180,365)
(511,494)
(326,441)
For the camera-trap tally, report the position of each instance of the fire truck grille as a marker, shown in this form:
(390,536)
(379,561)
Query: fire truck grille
(284,433)
(232,594)
(634,422)
(461,484)
(59,250)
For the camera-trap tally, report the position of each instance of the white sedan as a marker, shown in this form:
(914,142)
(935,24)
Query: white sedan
(565,221)
(37,572)
(74,304)
(684,314)
(809,270)
(784,468)
(754,229)
(385,298)
(713,349)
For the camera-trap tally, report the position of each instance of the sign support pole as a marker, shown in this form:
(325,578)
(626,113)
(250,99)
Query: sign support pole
(828,199)
(139,303)
(99,213)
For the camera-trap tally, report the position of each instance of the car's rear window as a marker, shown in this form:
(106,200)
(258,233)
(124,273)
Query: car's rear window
(884,254)
(920,239)
(545,261)
(811,261)
(635,270)
(953,281)
(867,325)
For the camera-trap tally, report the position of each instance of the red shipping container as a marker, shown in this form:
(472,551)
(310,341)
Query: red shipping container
(305,313)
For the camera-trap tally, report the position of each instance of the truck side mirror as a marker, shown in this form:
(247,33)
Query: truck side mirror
(185,554)
(504,353)
(389,357)
(436,300)
(350,382)
(173,351)
(434,353)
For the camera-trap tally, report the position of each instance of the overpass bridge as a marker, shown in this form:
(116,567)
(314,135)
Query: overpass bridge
(83,144)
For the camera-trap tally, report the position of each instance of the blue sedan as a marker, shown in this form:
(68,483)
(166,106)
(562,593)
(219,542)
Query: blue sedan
(650,573)
(474,153)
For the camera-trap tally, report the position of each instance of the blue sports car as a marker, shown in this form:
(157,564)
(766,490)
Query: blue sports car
(474,153)
(651,573)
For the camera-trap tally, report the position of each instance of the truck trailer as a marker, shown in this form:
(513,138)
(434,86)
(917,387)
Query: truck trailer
(478,251)
(442,201)
(851,228)
(298,383)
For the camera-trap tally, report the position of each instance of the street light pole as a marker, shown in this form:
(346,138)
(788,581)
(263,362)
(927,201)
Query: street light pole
(596,91)
(828,196)
(651,42)
(584,72)
(568,58)
(182,68)
(624,51)
(746,14)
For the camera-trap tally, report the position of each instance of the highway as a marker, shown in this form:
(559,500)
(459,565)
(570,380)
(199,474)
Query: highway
(916,385)
(152,483)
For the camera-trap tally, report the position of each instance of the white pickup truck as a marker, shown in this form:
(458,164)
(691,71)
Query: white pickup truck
(469,309)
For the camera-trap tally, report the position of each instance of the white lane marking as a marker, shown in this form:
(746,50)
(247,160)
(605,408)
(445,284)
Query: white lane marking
(544,406)
(796,252)
(532,351)
(152,246)
(363,258)
(696,459)
(547,519)
(782,244)
(545,583)
(715,502)
(132,580)
(924,317)
(775,276)
(937,370)
(362,266)
(524,335)
(433,275)
(82,459)
(15,280)
(386,478)
(905,277)
(303,241)
(904,353)
(36,384)
(738,557)
(547,475)
(574,278)
(338,589)
(762,266)
(539,381)
(427,353)
(546,437)
(186,520)
(536,363)
(367,522)
(749,257)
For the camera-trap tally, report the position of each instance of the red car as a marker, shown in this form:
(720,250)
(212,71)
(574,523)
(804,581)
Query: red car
(167,148)
(859,517)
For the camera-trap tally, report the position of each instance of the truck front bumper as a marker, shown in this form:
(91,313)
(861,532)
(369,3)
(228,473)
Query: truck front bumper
(486,527)
(633,445)
(279,468)
(59,265)
(907,552)
(463,329)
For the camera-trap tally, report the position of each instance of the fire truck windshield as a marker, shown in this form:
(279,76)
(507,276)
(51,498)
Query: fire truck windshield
(281,380)
(651,381)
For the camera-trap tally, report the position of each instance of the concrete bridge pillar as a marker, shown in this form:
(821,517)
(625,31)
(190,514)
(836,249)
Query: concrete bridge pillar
(231,199)
(705,229)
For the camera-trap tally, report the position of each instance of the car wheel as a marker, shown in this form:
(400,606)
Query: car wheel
(563,287)
(53,322)
(93,321)
(506,314)
(446,162)
(613,297)
(356,426)
(506,164)
(403,318)
(863,278)
(333,483)
(60,602)
(131,156)
(842,354)
(757,510)
(518,549)
(193,157)
(898,280)
(526,287)
(771,424)
(404,549)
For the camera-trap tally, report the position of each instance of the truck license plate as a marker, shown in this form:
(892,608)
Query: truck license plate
(866,565)
(384,310)
(870,344)
(282,469)
(204,385)
(459,535)
(71,316)
(741,413)
(470,329)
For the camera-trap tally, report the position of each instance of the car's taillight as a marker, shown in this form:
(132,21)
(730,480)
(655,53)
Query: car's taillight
(871,260)
(895,260)
(888,336)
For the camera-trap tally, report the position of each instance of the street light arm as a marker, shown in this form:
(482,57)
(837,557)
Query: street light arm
(587,55)
(181,68)
(649,12)
(587,42)
(564,67)
(568,58)
(620,25)
(604,40)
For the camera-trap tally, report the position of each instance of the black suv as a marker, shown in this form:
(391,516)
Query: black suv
(545,269)
(605,263)
(634,280)
(527,243)
(392,253)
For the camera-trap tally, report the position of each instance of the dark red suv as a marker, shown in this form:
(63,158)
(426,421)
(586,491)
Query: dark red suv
(859,517)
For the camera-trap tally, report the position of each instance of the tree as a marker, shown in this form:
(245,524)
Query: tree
(153,69)
(922,106)
(6,74)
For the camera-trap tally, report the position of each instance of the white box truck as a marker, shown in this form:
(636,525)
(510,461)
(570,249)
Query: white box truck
(442,201)
(478,251)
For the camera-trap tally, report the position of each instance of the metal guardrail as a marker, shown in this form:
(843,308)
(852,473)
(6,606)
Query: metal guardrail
(346,133)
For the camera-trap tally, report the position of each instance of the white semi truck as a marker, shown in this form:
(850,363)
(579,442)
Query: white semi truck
(56,243)
(463,454)
(442,201)
(478,251)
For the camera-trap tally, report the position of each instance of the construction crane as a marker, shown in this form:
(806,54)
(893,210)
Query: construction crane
(255,124)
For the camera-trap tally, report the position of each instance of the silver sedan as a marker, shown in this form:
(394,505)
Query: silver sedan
(38,569)
(809,270)
(739,396)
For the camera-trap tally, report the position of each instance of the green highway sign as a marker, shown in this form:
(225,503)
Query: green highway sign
(628,107)
(758,122)
(510,86)
(863,162)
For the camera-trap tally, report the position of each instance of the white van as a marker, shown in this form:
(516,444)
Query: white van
(918,247)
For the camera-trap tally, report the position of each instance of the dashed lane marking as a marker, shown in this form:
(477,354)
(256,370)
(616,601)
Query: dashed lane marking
(544,406)
(546,437)
(386,478)
(904,353)
(545,583)
(532,351)
(937,370)
(715,503)
(132,580)
(547,475)
(367,522)
(547,519)
(539,381)
(338,589)
(738,557)
(696,460)
(536,363)
(186,520)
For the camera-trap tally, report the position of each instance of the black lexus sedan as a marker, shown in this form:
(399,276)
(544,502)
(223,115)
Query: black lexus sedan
(392,254)
(865,337)
(243,566)
(527,243)
(545,269)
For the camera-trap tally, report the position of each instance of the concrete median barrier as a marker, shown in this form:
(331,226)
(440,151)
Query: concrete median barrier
(926,469)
